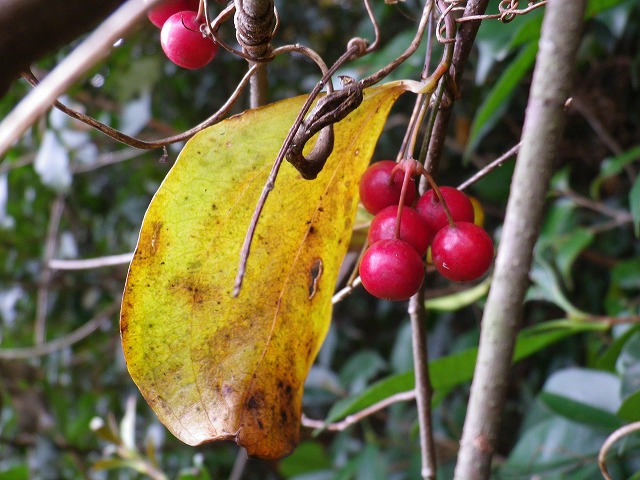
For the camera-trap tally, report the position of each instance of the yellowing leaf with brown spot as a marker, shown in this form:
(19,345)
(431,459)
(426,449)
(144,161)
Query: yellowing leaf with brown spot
(211,366)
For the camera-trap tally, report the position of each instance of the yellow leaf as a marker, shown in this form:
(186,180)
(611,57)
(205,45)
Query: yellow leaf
(211,366)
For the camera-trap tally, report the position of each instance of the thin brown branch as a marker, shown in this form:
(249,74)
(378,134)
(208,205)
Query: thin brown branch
(151,144)
(357,417)
(50,246)
(498,162)
(578,105)
(90,263)
(63,342)
(423,389)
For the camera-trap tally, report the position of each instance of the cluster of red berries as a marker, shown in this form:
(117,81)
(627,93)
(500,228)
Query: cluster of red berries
(392,268)
(182,38)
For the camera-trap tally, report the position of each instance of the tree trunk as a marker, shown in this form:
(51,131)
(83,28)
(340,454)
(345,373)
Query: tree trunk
(542,130)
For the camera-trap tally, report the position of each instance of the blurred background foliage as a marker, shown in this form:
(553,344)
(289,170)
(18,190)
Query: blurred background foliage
(68,409)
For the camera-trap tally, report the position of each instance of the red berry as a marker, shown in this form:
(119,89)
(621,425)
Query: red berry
(392,270)
(159,14)
(183,42)
(432,211)
(378,189)
(463,252)
(413,229)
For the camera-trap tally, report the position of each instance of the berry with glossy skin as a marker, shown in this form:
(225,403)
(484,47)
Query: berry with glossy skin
(183,43)
(160,13)
(462,253)
(413,229)
(378,189)
(432,212)
(391,270)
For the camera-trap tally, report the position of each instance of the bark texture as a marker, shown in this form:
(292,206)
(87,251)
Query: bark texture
(30,29)
(542,130)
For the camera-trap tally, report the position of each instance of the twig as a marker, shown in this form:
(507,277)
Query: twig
(346,291)
(63,342)
(618,215)
(355,48)
(596,125)
(541,134)
(505,15)
(151,144)
(270,183)
(608,443)
(90,263)
(491,167)
(78,62)
(424,391)
(413,46)
(239,465)
(42,300)
(465,38)
(356,417)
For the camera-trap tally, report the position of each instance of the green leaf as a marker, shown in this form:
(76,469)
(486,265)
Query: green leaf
(568,248)
(307,457)
(218,367)
(547,287)
(630,408)
(458,300)
(455,369)
(607,360)
(626,274)
(498,98)
(580,412)
(20,472)
(360,368)
(596,6)
(613,166)
(634,204)
(554,449)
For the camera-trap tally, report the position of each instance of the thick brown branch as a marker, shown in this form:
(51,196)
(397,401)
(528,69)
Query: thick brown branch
(30,29)
(542,130)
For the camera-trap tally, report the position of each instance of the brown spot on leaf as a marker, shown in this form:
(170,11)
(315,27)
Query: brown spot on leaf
(314,276)
(155,237)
